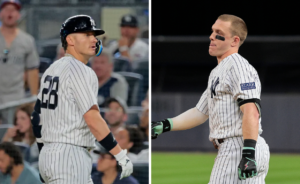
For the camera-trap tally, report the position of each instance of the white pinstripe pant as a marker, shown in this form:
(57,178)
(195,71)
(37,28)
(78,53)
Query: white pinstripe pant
(61,163)
(225,170)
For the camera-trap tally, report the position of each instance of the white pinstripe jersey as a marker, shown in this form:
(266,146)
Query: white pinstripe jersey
(234,78)
(68,90)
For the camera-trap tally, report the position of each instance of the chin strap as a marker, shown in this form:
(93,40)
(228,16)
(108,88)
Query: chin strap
(99,47)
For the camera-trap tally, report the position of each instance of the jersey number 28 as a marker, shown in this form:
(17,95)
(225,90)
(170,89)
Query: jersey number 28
(46,103)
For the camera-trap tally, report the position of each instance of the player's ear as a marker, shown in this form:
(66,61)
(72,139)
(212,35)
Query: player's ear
(236,41)
(70,40)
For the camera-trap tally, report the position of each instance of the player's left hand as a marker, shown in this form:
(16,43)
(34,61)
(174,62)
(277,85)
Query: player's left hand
(247,168)
(125,163)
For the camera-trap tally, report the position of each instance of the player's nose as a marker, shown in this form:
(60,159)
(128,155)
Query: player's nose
(94,39)
(211,37)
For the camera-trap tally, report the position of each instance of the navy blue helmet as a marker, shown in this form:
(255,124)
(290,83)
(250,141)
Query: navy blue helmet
(80,23)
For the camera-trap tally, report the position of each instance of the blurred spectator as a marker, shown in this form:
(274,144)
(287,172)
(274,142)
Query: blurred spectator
(144,118)
(145,32)
(110,84)
(60,52)
(129,45)
(145,102)
(108,170)
(130,138)
(22,131)
(143,155)
(13,168)
(144,124)
(116,113)
(18,53)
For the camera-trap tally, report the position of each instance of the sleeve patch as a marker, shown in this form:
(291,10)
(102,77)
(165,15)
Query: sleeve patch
(247,86)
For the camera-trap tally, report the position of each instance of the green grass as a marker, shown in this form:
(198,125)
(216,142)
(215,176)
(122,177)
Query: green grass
(191,168)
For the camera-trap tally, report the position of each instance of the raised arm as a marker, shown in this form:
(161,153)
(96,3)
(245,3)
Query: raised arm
(187,120)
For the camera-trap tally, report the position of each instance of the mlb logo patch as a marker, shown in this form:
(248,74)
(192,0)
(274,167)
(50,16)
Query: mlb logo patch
(247,86)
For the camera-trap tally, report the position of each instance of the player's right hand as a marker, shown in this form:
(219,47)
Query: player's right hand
(156,129)
(125,163)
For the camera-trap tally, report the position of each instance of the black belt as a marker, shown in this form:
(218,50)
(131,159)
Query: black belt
(220,142)
(89,149)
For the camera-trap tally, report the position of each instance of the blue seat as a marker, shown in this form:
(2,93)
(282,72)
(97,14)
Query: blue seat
(25,150)
(44,64)
(142,68)
(122,64)
(141,172)
(135,83)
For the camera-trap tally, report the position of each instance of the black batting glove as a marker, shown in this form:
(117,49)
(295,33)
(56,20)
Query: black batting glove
(248,167)
(159,127)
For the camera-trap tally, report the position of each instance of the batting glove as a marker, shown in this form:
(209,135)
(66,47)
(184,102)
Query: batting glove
(248,167)
(159,127)
(125,163)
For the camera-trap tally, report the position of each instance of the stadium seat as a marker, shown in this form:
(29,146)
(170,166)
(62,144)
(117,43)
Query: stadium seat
(44,64)
(134,115)
(25,150)
(122,64)
(142,68)
(141,172)
(133,118)
(135,83)
(146,40)
(94,168)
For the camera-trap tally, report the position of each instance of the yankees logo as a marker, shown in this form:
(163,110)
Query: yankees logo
(213,87)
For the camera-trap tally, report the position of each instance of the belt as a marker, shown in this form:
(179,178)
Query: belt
(88,149)
(217,142)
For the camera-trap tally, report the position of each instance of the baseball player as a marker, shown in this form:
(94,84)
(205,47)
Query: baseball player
(232,104)
(66,119)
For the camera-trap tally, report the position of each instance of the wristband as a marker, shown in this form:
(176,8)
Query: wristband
(249,148)
(167,125)
(109,142)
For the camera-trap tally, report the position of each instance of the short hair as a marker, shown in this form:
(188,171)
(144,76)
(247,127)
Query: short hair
(106,53)
(135,136)
(12,151)
(118,100)
(64,43)
(238,26)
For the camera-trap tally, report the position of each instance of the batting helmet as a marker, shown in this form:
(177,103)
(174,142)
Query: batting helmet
(80,23)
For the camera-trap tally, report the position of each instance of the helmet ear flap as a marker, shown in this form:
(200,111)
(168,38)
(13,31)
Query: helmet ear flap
(99,47)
